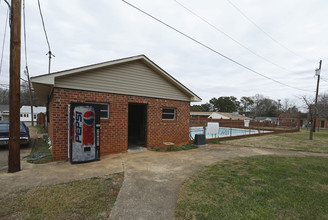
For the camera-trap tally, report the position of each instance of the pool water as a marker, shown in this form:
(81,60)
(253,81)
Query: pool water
(223,132)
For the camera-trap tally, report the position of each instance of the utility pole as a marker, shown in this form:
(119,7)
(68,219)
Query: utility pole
(30,91)
(50,56)
(14,89)
(317,73)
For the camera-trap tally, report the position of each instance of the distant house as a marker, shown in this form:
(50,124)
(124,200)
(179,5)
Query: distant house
(228,115)
(322,123)
(4,112)
(26,115)
(293,119)
(219,115)
(200,114)
(271,120)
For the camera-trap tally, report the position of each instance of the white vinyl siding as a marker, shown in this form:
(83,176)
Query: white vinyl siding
(133,78)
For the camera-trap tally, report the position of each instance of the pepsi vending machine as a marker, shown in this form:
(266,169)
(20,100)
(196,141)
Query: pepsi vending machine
(84,132)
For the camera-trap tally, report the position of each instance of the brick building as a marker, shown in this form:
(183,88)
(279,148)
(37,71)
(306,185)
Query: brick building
(141,104)
(293,120)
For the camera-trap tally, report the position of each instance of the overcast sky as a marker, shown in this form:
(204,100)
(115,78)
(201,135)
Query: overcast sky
(85,32)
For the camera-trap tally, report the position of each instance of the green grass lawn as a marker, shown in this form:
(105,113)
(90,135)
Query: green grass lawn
(174,148)
(83,199)
(298,141)
(41,130)
(262,187)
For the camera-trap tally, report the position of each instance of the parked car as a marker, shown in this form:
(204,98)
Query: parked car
(4,133)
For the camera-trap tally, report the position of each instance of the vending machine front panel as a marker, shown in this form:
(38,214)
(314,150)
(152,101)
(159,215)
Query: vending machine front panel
(84,132)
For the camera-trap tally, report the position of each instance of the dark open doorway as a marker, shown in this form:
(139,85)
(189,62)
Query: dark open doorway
(322,124)
(137,125)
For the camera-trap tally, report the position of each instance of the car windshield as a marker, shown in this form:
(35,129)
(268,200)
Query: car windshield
(4,127)
(22,128)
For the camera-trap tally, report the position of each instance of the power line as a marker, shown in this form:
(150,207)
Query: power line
(4,39)
(43,25)
(50,54)
(213,50)
(231,38)
(264,32)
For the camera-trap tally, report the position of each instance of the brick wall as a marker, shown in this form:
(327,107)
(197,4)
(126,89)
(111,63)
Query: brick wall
(114,131)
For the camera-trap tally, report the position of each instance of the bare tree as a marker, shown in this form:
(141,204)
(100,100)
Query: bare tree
(4,96)
(323,106)
(321,110)
(309,105)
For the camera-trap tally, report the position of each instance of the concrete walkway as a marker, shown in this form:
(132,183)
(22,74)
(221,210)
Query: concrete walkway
(152,179)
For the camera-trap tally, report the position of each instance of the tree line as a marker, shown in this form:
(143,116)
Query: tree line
(257,105)
(24,96)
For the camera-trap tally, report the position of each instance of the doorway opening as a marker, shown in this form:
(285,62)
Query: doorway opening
(322,124)
(137,125)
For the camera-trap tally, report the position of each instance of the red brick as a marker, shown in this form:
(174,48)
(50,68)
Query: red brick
(114,131)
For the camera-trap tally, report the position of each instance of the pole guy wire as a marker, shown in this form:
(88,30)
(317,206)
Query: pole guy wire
(43,25)
(50,54)
(213,50)
(10,12)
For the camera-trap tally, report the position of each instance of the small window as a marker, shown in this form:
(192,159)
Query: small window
(21,115)
(104,109)
(168,113)
(35,115)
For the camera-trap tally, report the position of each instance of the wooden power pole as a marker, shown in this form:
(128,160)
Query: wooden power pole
(14,89)
(316,96)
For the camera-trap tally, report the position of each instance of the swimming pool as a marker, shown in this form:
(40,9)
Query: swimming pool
(223,132)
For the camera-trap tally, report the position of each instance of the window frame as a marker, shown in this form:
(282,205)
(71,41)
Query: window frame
(166,113)
(101,110)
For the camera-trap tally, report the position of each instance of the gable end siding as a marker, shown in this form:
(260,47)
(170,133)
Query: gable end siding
(133,78)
